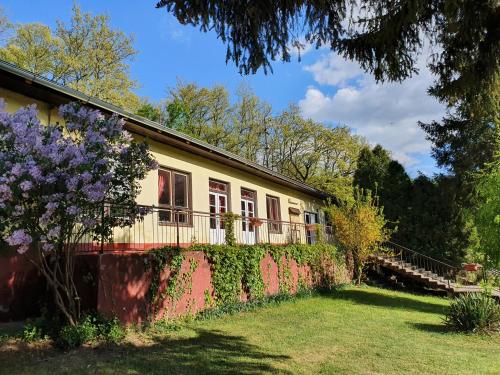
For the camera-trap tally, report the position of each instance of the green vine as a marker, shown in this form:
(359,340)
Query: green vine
(228,219)
(236,269)
(177,283)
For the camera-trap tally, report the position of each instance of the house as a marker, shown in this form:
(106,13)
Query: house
(195,185)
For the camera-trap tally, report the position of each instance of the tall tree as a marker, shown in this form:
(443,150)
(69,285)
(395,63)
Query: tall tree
(387,179)
(5,25)
(384,36)
(372,168)
(287,143)
(486,213)
(86,55)
(32,47)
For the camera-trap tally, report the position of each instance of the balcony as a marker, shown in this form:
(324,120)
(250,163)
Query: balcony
(182,228)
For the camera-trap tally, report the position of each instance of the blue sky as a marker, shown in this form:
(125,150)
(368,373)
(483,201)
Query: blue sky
(326,87)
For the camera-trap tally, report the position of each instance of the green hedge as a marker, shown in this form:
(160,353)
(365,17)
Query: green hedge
(238,266)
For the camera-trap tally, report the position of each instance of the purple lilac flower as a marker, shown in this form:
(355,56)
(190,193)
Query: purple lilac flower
(54,232)
(95,192)
(16,170)
(21,239)
(18,211)
(72,210)
(72,183)
(88,222)
(5,193)
(26,185)
(35,172)
(47,246)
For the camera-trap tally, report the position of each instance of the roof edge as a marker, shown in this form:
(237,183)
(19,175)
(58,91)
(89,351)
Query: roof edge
(152,125)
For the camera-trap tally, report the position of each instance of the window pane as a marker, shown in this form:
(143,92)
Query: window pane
(247,194)
(180,190)
(217,186)
(165,216)
(163,187)
(222,202)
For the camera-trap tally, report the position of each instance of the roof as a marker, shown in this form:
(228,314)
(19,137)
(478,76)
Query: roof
(41,88)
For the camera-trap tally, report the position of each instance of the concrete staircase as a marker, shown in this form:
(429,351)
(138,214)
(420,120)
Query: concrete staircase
(409,270)
(425,270)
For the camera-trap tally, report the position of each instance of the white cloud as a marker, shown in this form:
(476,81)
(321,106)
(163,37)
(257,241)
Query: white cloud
(172,30)
(383,113)
(333,70)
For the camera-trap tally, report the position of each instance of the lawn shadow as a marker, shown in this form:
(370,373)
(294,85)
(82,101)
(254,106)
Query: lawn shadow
(372,298)
(429,327)
(209,352)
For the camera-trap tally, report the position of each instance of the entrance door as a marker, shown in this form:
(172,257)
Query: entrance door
(247,227)
(218,206)
(295,226)
(310,219)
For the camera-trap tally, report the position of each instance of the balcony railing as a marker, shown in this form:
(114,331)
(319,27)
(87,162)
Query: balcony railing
(161,227)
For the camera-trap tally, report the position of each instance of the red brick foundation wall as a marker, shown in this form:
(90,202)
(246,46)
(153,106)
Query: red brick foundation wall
(117,283)
(125,280)
(23,290)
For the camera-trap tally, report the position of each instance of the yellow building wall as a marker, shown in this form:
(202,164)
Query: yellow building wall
(201,170)
(13,101)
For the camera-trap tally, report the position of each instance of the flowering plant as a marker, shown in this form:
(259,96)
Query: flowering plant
(255,221)
(54,179)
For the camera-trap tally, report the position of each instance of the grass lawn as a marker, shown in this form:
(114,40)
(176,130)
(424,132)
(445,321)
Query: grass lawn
(352,331)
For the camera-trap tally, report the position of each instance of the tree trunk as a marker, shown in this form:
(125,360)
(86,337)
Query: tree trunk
(58,270)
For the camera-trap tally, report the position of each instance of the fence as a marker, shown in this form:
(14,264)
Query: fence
(160,227)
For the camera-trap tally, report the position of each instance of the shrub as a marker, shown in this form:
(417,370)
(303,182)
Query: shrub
(111,330)
(31,333)
(474,312)
(73,336)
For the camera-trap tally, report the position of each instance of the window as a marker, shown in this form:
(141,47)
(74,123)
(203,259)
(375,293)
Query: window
(247,210)
(310,219)
(273,213)
(218,186)
(173,195)
(218,202)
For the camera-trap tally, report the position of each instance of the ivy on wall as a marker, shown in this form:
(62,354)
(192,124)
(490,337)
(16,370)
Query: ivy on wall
(177,284)
(237,268)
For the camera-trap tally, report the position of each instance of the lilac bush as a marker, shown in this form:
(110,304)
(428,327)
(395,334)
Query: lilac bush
(54,181)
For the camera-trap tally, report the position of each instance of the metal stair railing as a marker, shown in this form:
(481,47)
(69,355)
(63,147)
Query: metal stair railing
(422,263)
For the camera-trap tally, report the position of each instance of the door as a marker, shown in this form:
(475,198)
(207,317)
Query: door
(247,226)
(310,219)
(218,206)
(295,226)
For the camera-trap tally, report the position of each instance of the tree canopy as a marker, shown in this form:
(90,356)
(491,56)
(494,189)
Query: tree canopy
(384,36)
(85,54)
(307,151)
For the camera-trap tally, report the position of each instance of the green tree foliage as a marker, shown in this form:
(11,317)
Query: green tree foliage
(5,25)
(387,179)
(384,36)
(434,225)
(464,142)
(360,227)
(152,111)
(285,142)
(32,47)
(86,55)
(422,213)
(487,213)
